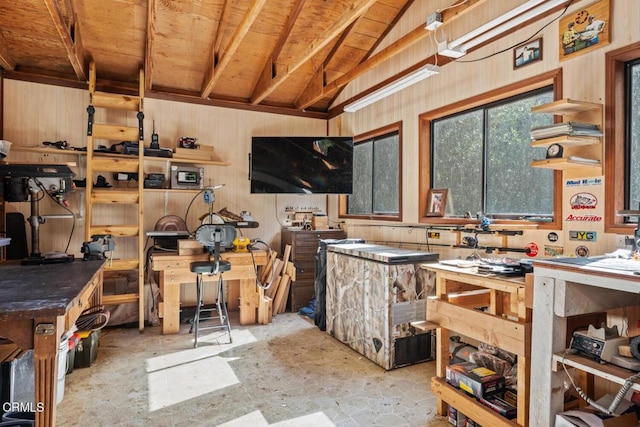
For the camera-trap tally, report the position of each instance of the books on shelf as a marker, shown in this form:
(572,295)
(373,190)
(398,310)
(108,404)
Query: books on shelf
(577,159)
(566,128)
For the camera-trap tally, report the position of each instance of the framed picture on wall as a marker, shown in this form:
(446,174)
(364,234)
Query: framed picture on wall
(436,202)
(527,53)
(585,30)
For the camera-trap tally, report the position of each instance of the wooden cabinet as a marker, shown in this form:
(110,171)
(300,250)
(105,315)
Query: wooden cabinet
(304,245)
(583,154)
(562,290)
(505,323)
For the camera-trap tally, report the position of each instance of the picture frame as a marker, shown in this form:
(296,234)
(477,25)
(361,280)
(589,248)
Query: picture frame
(586,29)
(527,53)
(436,202)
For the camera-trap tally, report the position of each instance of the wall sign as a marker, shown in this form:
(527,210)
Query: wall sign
(583,218)
(582,251)
(583,236)
(585,181)
(552,237)
(553,250)
(583,201)
(531,249)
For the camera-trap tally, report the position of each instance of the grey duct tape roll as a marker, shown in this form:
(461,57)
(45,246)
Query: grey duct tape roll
(634,343)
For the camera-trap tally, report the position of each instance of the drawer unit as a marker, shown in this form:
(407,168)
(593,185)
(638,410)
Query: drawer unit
(304,246)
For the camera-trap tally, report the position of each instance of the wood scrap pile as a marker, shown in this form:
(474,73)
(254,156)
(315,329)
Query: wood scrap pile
(277,276)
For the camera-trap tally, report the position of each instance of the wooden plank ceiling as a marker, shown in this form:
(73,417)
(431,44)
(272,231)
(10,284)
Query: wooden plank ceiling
(288,56)
(252,53)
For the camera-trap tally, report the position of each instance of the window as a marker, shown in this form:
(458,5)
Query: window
(480,151)
(376,176)
(622,137)
(632,130)
(482,156)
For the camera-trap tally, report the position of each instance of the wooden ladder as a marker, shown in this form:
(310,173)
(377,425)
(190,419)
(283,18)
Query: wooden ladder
(102,217)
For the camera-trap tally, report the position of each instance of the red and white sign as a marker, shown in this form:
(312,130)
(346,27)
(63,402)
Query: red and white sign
(583,218)
(531,249)
(583,201)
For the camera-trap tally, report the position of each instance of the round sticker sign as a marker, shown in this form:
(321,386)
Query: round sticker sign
(531,249)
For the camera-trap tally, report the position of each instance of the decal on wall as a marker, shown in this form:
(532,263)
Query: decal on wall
(585,181)
(582,251)
(531,249)
(553,250)
(583,218)
(552,237)
(433,234)
(583,236)
(583,201)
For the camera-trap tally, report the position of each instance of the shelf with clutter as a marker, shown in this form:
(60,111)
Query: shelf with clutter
(576,142)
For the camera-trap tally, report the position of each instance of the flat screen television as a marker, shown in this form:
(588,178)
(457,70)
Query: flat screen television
(301,164)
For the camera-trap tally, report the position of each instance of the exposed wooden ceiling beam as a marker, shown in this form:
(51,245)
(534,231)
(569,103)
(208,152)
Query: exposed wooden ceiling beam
(6,62)
(152,15)
(223,23)
(72,44)
(268,82)
(311,96)
(214,71)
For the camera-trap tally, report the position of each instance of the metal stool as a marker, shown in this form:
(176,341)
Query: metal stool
(212,236)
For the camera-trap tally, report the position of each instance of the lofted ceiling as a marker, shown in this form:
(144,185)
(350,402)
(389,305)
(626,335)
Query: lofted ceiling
(287,56)
(274,54)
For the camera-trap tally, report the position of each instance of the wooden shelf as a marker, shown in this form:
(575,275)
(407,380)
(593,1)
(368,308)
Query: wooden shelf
(563,163)
(467,405)
(46,150)
(567,141)
(609,372)
(565,106)
(164,190)
(188,161)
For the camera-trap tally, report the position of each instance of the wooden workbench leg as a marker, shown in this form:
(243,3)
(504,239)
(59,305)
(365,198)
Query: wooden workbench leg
(233,294)
(46,341)
(170,306)
(248,302)
(548,336)
(523,390)
(442,361)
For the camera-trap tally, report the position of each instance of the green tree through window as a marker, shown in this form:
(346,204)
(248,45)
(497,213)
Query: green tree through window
(482,156)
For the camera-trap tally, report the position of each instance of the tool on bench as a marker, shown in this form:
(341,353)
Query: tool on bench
(96,248)
(60,145)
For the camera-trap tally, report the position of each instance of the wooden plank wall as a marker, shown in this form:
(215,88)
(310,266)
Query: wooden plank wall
(583,79)
(35,113)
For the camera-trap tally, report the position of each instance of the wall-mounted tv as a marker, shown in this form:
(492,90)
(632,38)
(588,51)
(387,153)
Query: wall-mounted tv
(301,164)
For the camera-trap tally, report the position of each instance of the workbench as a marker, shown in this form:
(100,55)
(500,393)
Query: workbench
(504,322)
(175,269)
(563,290)
(38,304)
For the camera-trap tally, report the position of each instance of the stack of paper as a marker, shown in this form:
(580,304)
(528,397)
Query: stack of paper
(567,128)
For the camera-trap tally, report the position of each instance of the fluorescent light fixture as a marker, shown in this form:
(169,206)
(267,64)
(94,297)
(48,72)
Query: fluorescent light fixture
(445,49)
(495,22)
(393,87)
(506,26)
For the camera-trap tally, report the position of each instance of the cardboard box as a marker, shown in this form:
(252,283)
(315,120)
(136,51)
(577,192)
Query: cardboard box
(189,247)
(579,418)
(320,222)
(475,380)
(501,406)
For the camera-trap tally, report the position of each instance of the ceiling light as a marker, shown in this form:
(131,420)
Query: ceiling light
(495,22)
(396,86)
(506,26)
(445,49)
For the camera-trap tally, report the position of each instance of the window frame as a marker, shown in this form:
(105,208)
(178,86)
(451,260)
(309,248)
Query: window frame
(615,135)
(552,78)
(343,204)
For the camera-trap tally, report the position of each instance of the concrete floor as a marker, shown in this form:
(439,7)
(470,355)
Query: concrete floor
(287,373)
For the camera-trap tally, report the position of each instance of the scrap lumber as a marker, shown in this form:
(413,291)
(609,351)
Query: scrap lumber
(277,276)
